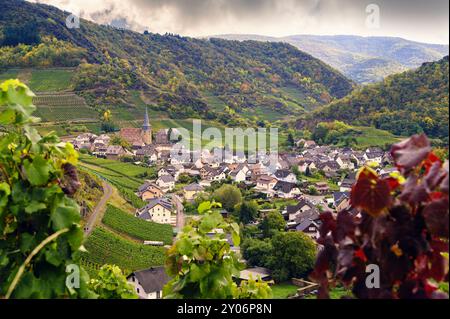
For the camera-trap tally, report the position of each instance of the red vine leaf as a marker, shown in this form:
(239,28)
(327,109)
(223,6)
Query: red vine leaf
(437,218)
(370,193)
(411,152)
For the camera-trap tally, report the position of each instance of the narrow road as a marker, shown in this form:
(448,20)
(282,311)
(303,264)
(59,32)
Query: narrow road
(180,211)
(90,224)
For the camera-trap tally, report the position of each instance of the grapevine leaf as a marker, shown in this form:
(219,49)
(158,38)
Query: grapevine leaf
(64,214)
(437,218)
(204,207)
(411,152)
(38,171)
(5,191)
(370,193)
(35,207)
(184,246)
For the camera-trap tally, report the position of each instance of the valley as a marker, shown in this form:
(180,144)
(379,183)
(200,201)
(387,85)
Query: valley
(89,169)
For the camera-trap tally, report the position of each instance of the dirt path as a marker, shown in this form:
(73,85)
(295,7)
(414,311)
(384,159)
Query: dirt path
(91,222)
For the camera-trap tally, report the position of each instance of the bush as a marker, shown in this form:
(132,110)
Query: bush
(229,196)
(293,255)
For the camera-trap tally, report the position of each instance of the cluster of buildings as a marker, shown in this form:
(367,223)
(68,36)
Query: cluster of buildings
(273,178)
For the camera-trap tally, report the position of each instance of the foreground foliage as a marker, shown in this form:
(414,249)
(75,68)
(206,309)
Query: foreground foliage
(112,284)
(403,229)
(40,233)
(203,265)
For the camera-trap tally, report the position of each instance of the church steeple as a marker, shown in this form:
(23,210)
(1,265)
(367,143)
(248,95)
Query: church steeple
(147,130)
(146,126)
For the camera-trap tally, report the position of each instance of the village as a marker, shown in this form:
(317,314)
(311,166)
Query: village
(308,180)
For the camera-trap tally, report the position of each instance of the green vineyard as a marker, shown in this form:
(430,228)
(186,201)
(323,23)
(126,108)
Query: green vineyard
(127,224)
(113,171)
(105,247)
(63,107)
(51,80)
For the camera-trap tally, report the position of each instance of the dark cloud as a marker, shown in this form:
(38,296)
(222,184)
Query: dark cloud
(423,20)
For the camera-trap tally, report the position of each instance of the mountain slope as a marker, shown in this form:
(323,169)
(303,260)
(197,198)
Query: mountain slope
(404,104)
(363,59)
(181,76)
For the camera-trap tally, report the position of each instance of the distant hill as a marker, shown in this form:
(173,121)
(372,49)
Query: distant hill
(230,81)
(404,104)
(363,59)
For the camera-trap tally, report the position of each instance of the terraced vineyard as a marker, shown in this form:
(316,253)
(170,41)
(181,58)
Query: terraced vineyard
(105,247)
(63,107)
(125,175)
(125,223)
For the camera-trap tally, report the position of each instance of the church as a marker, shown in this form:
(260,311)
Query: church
(138,137)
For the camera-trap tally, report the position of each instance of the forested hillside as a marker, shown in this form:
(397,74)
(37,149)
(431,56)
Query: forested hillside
(362,59)
(184,77)
(404,104)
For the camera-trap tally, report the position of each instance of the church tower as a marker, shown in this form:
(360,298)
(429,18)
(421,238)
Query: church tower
(147,130)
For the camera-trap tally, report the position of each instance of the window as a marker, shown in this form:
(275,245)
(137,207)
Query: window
(137,290)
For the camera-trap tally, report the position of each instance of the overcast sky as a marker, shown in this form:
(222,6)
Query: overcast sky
(420,20)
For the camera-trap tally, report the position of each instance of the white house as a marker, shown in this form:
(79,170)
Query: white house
(285,175)
(286,190)
(166,182)
(149,283)
(239,174)
(158,210)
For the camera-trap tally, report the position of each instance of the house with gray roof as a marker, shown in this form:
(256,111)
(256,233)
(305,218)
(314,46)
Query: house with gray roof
(149,283)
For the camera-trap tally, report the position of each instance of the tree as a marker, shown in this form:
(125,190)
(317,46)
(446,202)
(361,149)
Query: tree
(293,255)
(26,33)
(290,140)
(229,196)
(257,252)
(406,218)
(246,212)
(119,141)
(203,266)
(272,223)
